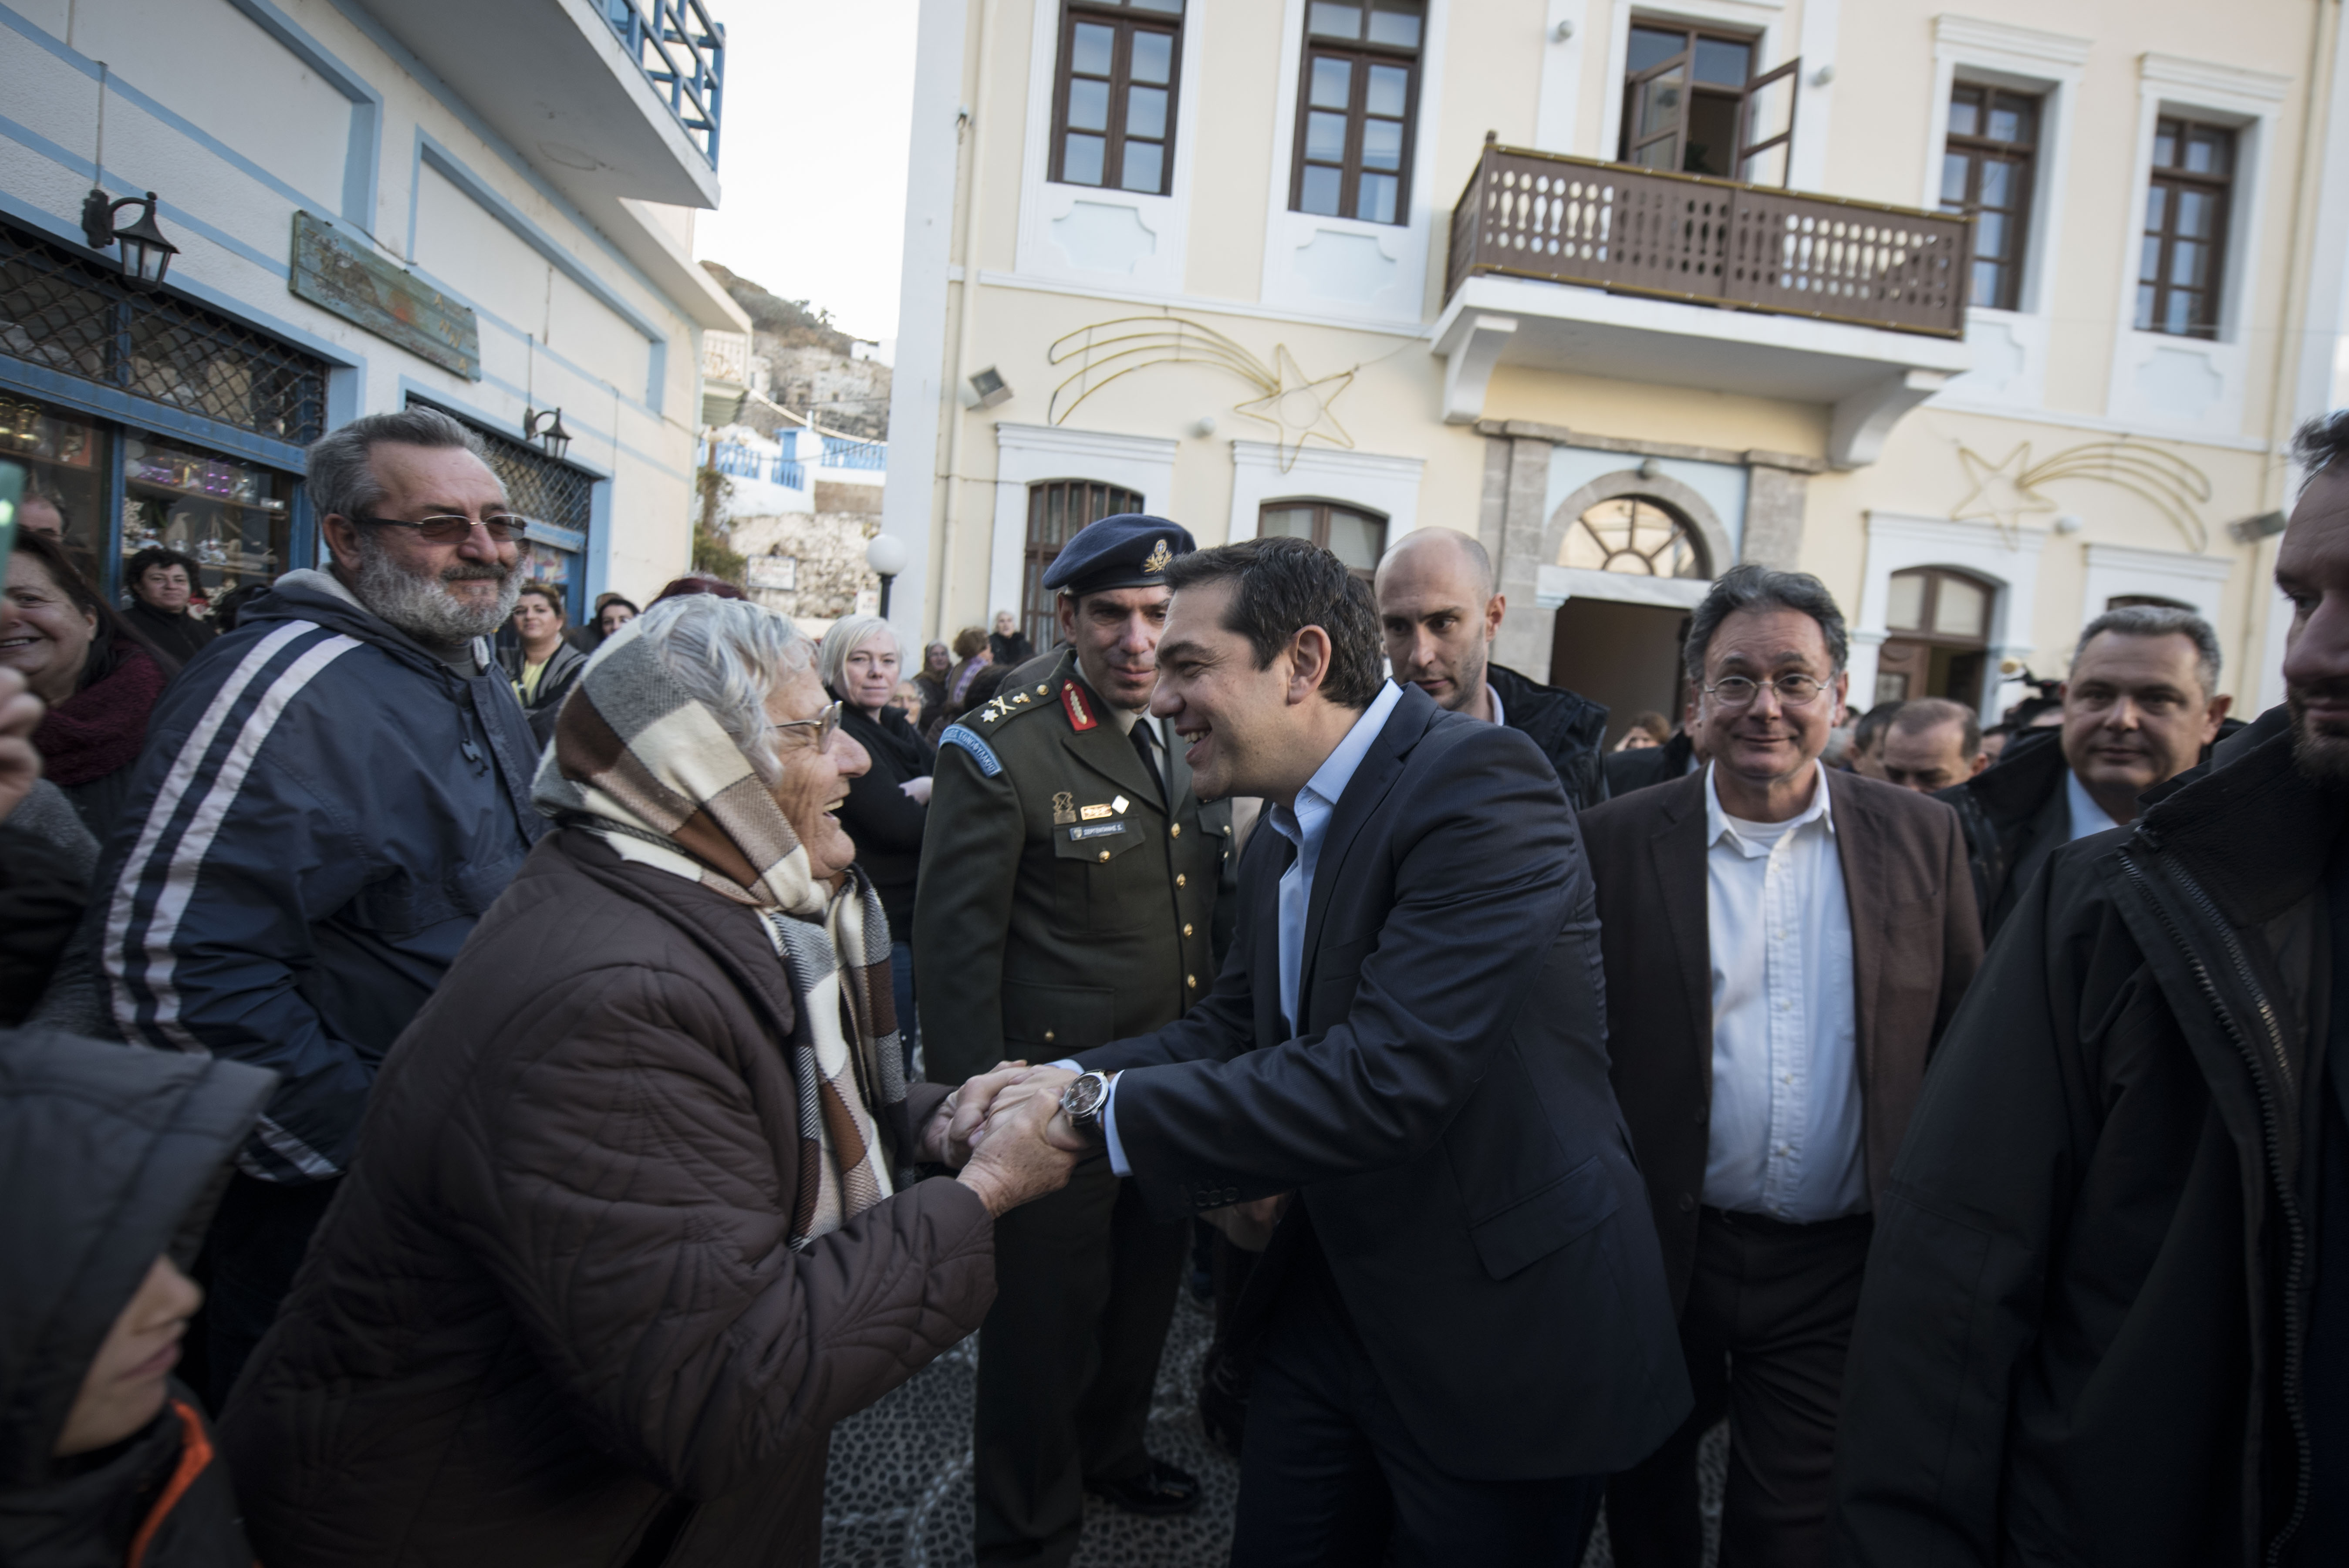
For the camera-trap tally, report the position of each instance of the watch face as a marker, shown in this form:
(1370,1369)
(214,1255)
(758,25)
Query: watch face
(1085,1096)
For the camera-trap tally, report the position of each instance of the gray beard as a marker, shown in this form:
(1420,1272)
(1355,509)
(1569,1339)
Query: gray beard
(423,607)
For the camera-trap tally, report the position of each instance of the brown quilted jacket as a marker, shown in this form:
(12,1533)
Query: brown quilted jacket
(551,1320)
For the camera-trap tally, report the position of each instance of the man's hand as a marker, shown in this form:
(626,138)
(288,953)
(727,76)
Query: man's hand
(916,790)
(936,1145)
(1045,1084)
(20,765)
(1015,1161)
(971,1102)
(1249,1226)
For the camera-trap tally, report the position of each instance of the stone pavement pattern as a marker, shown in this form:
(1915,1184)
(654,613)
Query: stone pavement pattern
(898,1493)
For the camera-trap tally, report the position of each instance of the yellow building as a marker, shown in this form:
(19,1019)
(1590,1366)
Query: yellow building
(1992,319)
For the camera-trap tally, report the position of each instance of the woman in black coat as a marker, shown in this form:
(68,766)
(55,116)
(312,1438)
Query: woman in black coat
(889,804)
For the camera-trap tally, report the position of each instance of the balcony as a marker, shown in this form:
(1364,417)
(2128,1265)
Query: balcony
(605,97)
(1614,270)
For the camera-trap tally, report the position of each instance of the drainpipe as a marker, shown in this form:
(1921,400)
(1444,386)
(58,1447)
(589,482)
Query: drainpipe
(965,303)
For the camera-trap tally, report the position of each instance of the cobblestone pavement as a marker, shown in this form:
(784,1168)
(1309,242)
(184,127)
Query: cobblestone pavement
(898,1493)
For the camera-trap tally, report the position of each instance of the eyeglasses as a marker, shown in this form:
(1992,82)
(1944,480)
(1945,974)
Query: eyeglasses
(502,527)
(1794,691)
(827,725)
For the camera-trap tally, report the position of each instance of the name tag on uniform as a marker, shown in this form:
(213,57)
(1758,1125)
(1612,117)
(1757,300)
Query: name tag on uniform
(1097,829)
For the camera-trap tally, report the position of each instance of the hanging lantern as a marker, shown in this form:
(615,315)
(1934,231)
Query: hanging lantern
(146,254)
(546,429)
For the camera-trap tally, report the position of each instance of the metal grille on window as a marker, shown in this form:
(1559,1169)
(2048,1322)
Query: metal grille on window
(1055,512)
(65,314)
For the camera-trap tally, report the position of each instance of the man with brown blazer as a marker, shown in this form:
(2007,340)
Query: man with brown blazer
(1782,945)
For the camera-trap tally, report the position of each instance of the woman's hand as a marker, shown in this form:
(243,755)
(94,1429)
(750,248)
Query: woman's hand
(20,765)
(917,789)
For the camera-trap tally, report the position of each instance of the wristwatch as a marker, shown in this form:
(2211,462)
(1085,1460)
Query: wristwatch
(1084,1101)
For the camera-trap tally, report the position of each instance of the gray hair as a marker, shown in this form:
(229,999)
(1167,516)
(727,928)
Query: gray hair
(2322,442)
(1754,587)
(729,655)
(2159,620)
(341,475)
(849,634)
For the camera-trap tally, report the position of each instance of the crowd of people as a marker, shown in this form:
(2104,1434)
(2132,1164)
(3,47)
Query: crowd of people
(529,1083)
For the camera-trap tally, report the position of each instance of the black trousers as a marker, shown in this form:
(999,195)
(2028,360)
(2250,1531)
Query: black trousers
(259,1235)
(1085,1283)
(1330,1476)
(1765,1329)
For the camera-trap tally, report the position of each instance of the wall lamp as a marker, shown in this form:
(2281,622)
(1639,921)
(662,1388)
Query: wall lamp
(146,254)
(546,429)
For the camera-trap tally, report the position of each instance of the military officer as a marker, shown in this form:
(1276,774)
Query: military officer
(1067,898)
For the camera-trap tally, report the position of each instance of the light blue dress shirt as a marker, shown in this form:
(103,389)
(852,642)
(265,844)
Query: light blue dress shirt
(2087,817)
(1305,827)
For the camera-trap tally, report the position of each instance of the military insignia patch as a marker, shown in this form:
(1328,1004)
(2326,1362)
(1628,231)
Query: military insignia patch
(1094,813)
(1079,713)
(1119,805)
(1159,558)
(1064,807)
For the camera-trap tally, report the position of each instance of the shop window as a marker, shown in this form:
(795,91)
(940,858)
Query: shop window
(234,518)
(1692,104)
(1986,168)
(1357,110)
(1637,536)
(556,502)
(1940,625)
(70,463)
(1114,102)
(1354,536)
(2183,251)
(1056,510)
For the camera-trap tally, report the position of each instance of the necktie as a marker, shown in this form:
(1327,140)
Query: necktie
(1140,734)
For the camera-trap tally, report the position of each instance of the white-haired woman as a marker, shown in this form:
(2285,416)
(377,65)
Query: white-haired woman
(634,1218)
(889,804)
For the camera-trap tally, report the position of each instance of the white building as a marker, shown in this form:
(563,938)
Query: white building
(485,207)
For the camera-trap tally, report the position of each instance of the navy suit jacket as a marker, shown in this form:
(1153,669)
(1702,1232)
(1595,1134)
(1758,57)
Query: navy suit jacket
(1442,1109)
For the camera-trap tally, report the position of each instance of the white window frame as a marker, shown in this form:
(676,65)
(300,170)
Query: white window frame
(2049,65)
(1366,480)
(1898,542)
(1035,454)
(2117,569)
(2251,102)
(1045,203)
(1286,285)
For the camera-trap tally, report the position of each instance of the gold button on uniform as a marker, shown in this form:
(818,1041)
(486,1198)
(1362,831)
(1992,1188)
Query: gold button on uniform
(1175,831)
(1105,854)
(1048,1037)
(1192,981)
(1178,879)
(1187,928)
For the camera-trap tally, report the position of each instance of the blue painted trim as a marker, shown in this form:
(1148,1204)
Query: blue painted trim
(364,154)
(108,403)
(68,232)
(447,164)
(34,141)
(597,561)
(425,77)
(434,393)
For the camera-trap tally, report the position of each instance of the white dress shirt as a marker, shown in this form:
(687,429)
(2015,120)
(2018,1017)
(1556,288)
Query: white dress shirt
(1305,827)
(1786,1131)
(2087,817)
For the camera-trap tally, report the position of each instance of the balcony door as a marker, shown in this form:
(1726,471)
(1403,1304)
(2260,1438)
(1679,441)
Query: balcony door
(1057,509)
(1693,104)
(1939,646)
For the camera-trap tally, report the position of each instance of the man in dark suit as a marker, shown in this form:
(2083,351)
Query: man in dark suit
(1461,1319)
(1784,944)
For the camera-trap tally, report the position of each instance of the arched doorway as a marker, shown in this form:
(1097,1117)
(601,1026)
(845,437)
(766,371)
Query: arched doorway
(1617,641)
(1940,622)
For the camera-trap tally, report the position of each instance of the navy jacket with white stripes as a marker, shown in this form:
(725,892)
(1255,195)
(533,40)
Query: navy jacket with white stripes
(322,812)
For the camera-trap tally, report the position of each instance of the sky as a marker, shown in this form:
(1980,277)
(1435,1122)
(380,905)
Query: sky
(811,160)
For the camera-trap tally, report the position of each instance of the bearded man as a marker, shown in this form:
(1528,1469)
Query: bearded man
(2107,1314)
(323,810)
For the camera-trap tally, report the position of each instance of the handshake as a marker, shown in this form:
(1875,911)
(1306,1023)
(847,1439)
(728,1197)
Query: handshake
(1005,1132)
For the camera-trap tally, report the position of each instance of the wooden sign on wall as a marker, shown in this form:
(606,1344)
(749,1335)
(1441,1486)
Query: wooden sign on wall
(354,283)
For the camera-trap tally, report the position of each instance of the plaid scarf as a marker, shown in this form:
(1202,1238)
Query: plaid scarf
(641,764)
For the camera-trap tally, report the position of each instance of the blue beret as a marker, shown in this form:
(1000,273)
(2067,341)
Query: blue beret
(1131,549)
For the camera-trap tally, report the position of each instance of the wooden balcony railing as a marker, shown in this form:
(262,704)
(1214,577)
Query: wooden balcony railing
(1628,229)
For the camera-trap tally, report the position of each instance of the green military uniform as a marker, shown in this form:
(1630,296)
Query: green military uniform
(1064,902)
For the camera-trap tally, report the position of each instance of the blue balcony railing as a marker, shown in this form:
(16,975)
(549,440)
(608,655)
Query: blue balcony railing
(840,453)
(683,54)
(744,461)
(788,473)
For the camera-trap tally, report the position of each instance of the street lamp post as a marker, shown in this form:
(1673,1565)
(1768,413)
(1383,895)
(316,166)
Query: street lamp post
(887,557)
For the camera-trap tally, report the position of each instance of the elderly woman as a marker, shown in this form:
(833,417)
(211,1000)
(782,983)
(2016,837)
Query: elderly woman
(889,804)
(100,677)
(634,1218)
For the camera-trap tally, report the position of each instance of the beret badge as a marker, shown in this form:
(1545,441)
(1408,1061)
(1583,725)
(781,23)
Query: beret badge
(1159,558)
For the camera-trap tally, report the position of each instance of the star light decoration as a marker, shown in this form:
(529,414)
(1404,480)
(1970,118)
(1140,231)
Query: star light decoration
(2007,490)
(1293,403)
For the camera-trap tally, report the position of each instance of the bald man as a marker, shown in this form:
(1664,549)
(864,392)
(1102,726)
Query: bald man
(1438,613)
